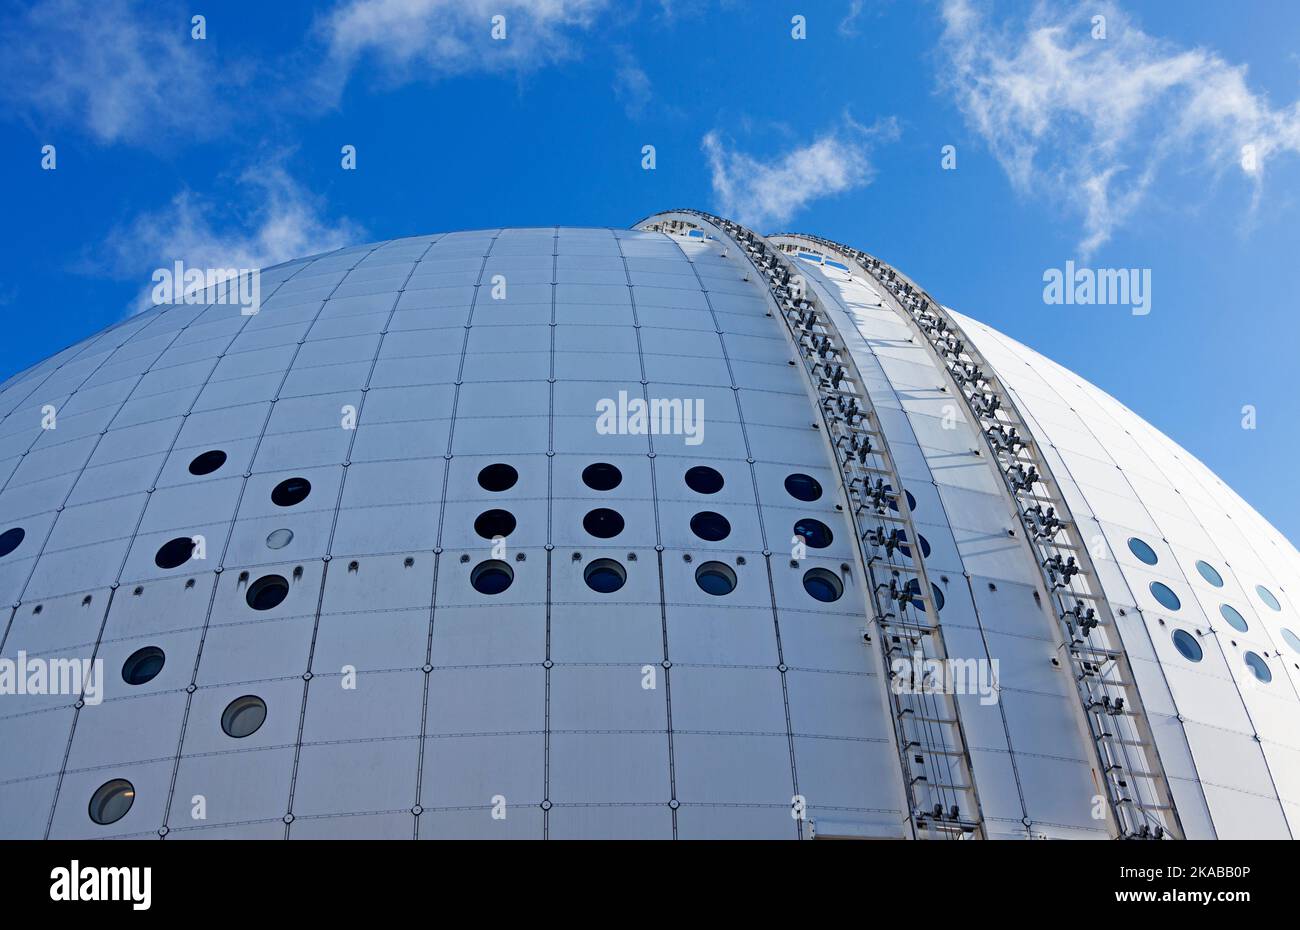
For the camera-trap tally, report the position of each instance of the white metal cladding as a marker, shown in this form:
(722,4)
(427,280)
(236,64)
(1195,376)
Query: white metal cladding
(535,695)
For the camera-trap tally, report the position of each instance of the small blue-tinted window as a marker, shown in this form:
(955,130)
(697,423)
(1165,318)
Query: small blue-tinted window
(1267,597)
(1167,598)
(1210,574)
(1234,618)
(1186,643)
(1259,667)
(1144,552)
(1291,640)
(915,587)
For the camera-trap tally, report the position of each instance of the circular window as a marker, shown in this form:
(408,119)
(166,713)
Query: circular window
(893,503)
(602,477)
(904,548)
(1165,595)
(491,577)
(1234,618)
(174,552)
(290,491)
(498,477)
(915,587)
(815,533)
(1210,574)
(1259,667)
(711,526)
(1186,643)
(1291,639)
(823,584)
(715,578)
(143,665)
(603,522)
(10,540)
(1267,597)
(278,539)
(493,523)
(244,716)
(703,480)
(267,592)
(605,576)
(1144,552)
(111,801)
(803,487)
(208,462)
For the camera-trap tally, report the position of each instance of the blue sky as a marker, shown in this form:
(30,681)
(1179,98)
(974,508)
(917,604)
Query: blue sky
(1122,151)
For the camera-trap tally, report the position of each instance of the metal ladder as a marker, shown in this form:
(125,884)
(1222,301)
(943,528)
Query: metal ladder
(930,740)
(1140,801)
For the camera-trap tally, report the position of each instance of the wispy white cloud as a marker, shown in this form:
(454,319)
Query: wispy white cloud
(631,84)
(278,220)
(1092,122)
(849,24)
(430,39)
(121,72)
(759,193)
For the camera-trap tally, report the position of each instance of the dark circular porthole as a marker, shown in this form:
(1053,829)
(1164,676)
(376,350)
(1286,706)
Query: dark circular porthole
(267,592)
(491,577)
(493,523)
(207,462)
(815,533)
(711,526)
(175,552)
(498,477)
(914,586)
(1234,618)
(822,584)
(1210,574)
(1165,595)
(1143,551)
(893,501)
(11,540)
(803,487)
(1257,665)
(143,665)
(243,716)
(906,548)
(603,523)
(111,801)
(1187,646)
(715,578)
(290,491)
(704,480)
(604,576)
(602,476)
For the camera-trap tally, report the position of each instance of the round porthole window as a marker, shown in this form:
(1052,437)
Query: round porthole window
(207,462)
(711,526)
(822,584)
(243,716)
(175,552)
(715,578)
(893,502)
(1234,618)
(267,592)
(1210,574)
(803,487)
(1186,644)
(111,801)
(143,665)
(906,549)
(704,480)
(1165,595)
(1291,640)
(290,491)
(604,576)
(1143,552)
(493,523)
(603,523)
(815,533)
(602,477)
(1267,597)
(915,587)
(1257,665)
(11,540)
(498,477)
(278,539)
(491,577)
